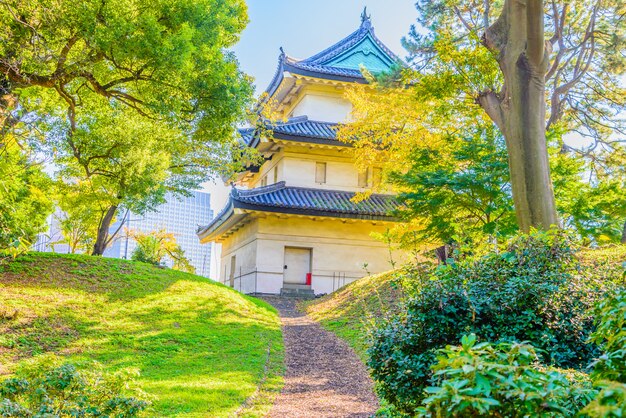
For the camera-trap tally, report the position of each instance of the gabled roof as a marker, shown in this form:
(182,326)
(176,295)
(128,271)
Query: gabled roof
(299,129)
(341,61)
(280,198)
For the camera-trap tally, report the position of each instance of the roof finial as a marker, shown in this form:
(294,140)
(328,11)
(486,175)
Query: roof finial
(365,19)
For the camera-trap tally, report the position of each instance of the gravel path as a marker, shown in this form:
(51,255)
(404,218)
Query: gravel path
(324,377)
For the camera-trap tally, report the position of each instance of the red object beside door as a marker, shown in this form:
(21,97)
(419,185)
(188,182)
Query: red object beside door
(308,279)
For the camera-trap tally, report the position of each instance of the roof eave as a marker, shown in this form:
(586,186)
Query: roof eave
(314,212)
(225,220)
(311,140)
(325,76)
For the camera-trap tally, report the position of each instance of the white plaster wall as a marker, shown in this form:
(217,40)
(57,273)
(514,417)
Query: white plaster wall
(243,245)
(339,249)
(340,175)
(321,107)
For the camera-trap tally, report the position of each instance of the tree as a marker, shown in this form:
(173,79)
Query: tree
(577,52)
(120,158)
(449,165)
(591,194)
(156,246)
(25,202)
(460,190)
(163,59)
(77,217)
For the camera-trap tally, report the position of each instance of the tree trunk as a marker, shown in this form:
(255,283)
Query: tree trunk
(102,240)
(624,234)
(520,109)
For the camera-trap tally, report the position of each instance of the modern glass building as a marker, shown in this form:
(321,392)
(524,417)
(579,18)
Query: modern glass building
(180,216)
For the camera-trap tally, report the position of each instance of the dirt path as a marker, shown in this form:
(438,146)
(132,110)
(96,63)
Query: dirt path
(324,377)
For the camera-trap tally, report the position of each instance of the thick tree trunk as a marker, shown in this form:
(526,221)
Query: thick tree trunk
(520,109)
(624,234)
(102,240)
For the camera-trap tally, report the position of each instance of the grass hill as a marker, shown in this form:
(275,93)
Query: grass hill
(202,349)
(352,310)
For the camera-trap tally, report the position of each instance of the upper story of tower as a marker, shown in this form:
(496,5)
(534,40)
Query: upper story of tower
(313,87)
(306,101)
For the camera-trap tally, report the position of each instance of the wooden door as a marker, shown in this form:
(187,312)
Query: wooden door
(297,265)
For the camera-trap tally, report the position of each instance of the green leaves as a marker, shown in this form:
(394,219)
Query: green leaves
(25,201)
(500,380)
(64,390)
(535,291)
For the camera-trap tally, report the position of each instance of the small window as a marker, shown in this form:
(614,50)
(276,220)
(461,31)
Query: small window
(363,178)
(320,172)
(275,174)
(264,181)
(377,176)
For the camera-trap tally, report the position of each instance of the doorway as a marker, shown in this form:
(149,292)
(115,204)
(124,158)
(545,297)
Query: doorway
(297,265)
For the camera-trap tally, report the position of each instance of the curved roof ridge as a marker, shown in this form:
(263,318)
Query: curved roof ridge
(337,191)
(258,190)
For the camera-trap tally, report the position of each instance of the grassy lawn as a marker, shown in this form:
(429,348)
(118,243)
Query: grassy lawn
(202,348)
(353,310)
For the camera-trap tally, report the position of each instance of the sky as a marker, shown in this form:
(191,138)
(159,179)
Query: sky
(303,28)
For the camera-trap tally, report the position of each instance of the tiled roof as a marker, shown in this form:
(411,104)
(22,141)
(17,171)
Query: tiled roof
(348,42)
(292,64)
(281,198)
(247,134)
(300,127)
(325,63)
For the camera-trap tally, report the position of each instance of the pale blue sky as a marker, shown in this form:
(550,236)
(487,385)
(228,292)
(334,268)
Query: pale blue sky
(304,28)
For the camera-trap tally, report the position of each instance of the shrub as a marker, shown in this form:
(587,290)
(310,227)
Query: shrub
(610,336)
(504,380)
(609,370)
(64,391)
(535,291)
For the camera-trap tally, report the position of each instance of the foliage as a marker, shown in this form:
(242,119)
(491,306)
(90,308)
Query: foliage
(24,199)
(501,380)
(77,215)
(532,292)
(164,59)
(65,391)
(594,206)
(154,247)
(609,402)
(202,348)
(610,336)
(122,159)
(413,113)
(460,189)
(585,59)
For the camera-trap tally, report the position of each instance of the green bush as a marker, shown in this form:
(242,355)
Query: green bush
(610,336)
(64,391)
(609,370)
(147,251)
(535,291)
(504,380)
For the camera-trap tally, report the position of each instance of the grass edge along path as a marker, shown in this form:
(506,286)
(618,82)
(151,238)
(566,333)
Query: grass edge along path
(202,348)
(351,311)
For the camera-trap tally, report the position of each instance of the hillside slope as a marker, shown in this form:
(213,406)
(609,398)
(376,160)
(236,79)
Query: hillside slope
(202,348)
(352,310)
